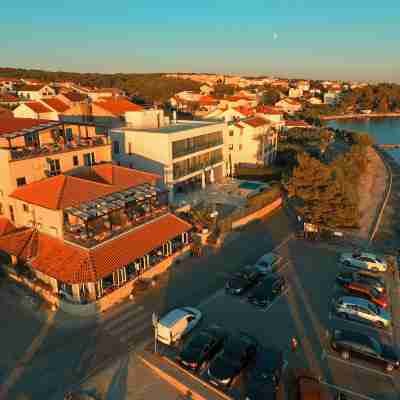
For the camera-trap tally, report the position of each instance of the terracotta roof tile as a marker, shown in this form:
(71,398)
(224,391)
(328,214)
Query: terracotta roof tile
(8,98)
(11,125)
(118,106)
(256,122)
(6,113)
(75,96)
(56,104)
(6,226)
(73,264)
(269,110)
(37,107)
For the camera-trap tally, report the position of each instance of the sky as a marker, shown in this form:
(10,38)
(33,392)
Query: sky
(317,39)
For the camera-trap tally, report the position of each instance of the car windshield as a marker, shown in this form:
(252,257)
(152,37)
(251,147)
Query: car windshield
(200,340)
(234,348)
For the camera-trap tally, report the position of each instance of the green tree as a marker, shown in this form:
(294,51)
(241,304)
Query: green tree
(270,97)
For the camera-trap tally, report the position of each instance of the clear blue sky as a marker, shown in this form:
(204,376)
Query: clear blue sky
(343,39)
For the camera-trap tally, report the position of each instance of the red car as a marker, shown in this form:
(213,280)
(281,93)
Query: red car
(368,292)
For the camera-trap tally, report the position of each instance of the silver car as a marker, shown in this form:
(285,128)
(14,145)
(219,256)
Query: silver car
(359,308)
(366,261)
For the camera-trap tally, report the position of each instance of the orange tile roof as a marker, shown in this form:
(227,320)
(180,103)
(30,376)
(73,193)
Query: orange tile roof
(269,110)
(12,125)
(8,98)
(56,104)
(6,113)
(245,111)
(256,122)
(118,106)
(64,191)
(37,107)
(74,96)
(73,264)
(5,226)
(30,88)
(207,100)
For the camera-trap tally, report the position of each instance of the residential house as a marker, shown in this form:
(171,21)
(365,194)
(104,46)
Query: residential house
(109,113)
(33,149)
(289,106)
(295,93)
(314,100)
(237,101)
(87,236)
(251,141)
(35,110)
(8,84)
(206,90)
(31,81)
(72,98)
(35,92)
(186,154)
(229,114)
(273,114)
(303,85)
(330,98)
(9,100)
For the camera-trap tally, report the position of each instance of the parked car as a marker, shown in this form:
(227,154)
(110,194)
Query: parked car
(267,290)
(366,261)
(368,292)
(372,279)
(202,347)
(268,263)
(362,309)
(176,324)
(357,344)
(238,351)
(264,377)
(243,280)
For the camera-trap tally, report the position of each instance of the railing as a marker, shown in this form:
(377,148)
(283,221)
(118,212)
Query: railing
(184,152)
(179,172)
(29,152)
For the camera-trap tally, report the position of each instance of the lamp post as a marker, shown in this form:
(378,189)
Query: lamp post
(155,320)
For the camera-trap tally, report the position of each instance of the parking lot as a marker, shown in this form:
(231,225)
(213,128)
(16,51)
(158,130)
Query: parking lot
(303,311)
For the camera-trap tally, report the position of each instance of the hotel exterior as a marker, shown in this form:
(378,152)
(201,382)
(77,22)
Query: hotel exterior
(184,153)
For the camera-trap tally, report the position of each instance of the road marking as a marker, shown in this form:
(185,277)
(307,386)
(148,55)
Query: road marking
(135,322)
(109,323)
(375,371)
(275,300)
(345,390)
(283,268)
(211,298)
(130,334)
(284,242)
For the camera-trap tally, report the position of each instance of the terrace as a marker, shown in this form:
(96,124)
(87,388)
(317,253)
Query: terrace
(109,216)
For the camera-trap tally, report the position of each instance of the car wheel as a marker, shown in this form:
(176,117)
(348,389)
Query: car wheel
(389,367)
(379,324)
(345,355)
(343,315)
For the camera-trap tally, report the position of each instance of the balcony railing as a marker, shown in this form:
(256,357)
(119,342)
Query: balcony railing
(48,149)
(199,147)
(180,172)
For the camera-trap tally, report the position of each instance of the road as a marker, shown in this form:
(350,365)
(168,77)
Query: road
(71,349)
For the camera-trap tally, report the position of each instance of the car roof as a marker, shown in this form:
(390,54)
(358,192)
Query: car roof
(368,255)
(268,257)
(174,316)
(358,337)
(268,358)
(355,300)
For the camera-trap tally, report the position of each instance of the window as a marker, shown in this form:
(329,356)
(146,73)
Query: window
(88,159)
(1,208)
(55,167)
(25,208)
(68,134)
(230,133)
(100,130)
(12,213)
(66,288)
(115,147)
(130,148)
(231,147)
(75,160)
(21,181)
(240,147)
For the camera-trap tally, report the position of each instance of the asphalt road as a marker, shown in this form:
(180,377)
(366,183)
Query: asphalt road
(71,349)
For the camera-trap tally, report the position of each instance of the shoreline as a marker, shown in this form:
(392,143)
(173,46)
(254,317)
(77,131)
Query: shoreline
(360,116)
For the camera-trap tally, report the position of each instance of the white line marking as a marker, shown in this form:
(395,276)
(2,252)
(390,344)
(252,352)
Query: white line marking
(345,390)
(284,242)
(359,366)
(275,300)
(108,323)
(129,334)
(138,321)
(283,268)
(211,298)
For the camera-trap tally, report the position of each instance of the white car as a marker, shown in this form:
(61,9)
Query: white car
(268,263)
(367,261)
(176,324)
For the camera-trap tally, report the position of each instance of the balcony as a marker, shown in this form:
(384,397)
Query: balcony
(176,153)
(55,148)
(179,172)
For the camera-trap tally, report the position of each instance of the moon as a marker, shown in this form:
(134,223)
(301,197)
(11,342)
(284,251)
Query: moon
(275,36)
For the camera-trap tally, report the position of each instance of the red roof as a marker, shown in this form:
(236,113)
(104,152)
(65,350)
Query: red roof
(256,122)
(207,100)
(297,123)
(11,125)
(248,112)
(8,98)
(75,96)
(6,79)
(37,107)
(56,104)
(237,98)
(30,88)
(6,113)
(64,191)
(5,226)
(73,264)
(269,110)
(118,106)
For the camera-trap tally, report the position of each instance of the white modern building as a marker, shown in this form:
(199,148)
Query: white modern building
(186,154)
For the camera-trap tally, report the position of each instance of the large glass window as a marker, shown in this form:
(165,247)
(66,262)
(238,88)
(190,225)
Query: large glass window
(191,145)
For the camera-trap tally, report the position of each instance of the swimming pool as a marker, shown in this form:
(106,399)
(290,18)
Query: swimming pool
(250,185)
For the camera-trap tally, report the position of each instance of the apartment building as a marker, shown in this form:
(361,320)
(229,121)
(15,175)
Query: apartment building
(33,149)
(88,234)
(252,141)
(186,154)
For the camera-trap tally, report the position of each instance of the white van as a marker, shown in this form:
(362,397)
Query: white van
(176,324)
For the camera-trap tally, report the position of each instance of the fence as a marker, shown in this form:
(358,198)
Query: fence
(257,207)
